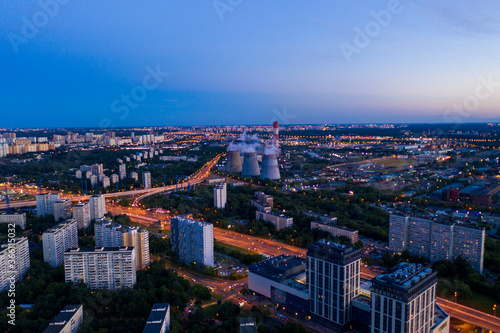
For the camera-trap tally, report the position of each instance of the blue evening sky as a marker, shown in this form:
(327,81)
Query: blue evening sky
(86,63)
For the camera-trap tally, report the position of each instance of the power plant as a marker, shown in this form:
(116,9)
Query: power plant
(250,148)
(233,164)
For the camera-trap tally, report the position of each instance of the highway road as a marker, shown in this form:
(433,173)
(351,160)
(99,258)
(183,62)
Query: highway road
(265,246)
(198,177)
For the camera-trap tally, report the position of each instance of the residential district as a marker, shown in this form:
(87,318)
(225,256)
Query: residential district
(320,228)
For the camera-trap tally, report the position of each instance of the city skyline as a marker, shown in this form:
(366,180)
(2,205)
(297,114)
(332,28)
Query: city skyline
(248,63)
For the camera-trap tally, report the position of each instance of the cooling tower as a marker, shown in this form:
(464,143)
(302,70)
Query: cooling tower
(250,165)
(233,164)
(270,168)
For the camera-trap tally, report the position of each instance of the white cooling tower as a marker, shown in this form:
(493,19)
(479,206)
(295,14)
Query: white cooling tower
(250,165)
(233,164)
(270,167)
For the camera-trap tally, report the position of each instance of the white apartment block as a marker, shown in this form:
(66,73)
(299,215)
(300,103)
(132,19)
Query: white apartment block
(220,195)
(122,171)
(57,240)
(97,204)
(436,241)
(134,176)
(101,268)
(280,221)
(109,234)
(115,178)
(81,213)
(403,300)
(334,280)
(106,182)
(14,261)
(93,180)
(16,218)
(45,203)
(68,320)
(62,209)
(193,240)
(146,179)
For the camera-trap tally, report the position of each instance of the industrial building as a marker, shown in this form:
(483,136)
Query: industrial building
(283,280)
(193,240)
(21,261)
(108,267)
(436,240)
(159,319)
(57,240)
(68,320)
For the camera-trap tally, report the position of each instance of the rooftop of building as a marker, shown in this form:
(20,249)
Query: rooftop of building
(276,214)
(62,318)
(81,204)
(279,268)
(333,247)
(191,221)
(12,213)
(248,325)
(156,318)
(60,225)
(334,225)
(404,275)
(101,249)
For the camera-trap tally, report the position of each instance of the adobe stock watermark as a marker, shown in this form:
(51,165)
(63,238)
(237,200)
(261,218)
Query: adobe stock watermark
(372,29)
(30,27)
(137,94)
(11,274)
(282,116)
(223,6)
(461,111)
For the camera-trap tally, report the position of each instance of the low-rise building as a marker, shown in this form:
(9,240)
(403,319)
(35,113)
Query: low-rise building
(336,230)
(16,218)
(280,221)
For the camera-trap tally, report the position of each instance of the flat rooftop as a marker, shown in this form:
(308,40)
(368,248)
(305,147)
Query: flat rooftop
(405,275)
(279,268)
(62,319)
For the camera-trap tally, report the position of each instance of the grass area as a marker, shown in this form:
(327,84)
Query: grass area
(211,310)
(214,295)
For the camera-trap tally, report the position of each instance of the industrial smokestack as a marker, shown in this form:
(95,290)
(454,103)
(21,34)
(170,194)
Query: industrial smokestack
(233,164)
(276,131)
(270,168)
(250,164)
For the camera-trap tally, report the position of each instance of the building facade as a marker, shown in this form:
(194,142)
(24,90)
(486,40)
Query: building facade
(62,209)
(337,231)
(334,280)
(57,240)
(101,268)
(97,205)
(280,221)
(19,259)
(436,240)
(403,300)
(220,195)
(192,240)
(109,234)
(45,203)
(146,179)
(81,213)
(16,218)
